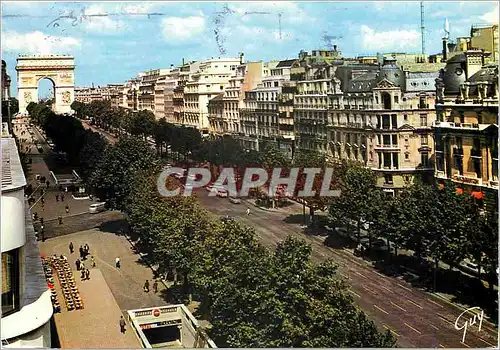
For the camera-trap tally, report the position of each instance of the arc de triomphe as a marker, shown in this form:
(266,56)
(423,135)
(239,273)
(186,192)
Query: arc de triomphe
(60,69)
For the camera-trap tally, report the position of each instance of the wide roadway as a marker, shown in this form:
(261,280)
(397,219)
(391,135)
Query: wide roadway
(416,318)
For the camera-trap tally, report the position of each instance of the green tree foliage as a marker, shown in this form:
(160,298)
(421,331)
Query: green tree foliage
(90,154)
(119,164)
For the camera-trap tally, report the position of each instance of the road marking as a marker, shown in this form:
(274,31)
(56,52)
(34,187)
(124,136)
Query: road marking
(387,289)
(408,289)
(360,274)
(392,330)
(414,303)
(356,294)
(465,344)
(416,330)
(486,342)
(441,306)
(446,320)
(399,307)
(385,312)
(430,324)
(368,290)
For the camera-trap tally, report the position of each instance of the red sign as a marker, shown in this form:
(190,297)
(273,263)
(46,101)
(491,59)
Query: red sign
(156,313)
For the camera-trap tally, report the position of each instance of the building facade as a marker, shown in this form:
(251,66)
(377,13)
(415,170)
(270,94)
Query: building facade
(26,298)
(209,80)
(466,129)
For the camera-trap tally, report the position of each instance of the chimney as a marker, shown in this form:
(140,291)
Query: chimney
(182,61)
(445,49)
(242,58)
(334,47)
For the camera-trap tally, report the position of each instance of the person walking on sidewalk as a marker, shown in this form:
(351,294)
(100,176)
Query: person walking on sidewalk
(122,325)
(117,263)
(77,263)
(92,260)
(60,219)
(155,286)
(67,209)
(71,248)
(87,274)
(81,252)
(248,211)
(146,286)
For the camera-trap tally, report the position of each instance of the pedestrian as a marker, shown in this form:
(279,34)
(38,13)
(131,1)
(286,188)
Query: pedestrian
(81,252)
(83,274)
(77,263)
(117,263)
(155,286)
(248,211)
(146,286)
(62,197)
(71,248)
(82,266)
(60,219)
(93,261)
(122,325)
(42,200)
(67,209)
(57,197)
(87,274)
(48,183)
(87,248)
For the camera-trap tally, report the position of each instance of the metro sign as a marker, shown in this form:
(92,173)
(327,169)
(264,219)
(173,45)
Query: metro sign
(156,313)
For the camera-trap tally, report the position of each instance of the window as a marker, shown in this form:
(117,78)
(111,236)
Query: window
(396,99)
(388,179)
(275,84)
(423,140)
(407,156)
(394,140)
(405,117)
(385,122)
(424,159)
(387,160)
(395,161)
(423,119)
(387,140)
(10,282)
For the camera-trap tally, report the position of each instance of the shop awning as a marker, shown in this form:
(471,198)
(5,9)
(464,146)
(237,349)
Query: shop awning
(460,190)
(477,194)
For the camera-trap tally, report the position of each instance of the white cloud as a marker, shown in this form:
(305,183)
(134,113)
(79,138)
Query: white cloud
(104,24)
(491,17)
(182,28)
(142,8)
(37,43)
(389,40)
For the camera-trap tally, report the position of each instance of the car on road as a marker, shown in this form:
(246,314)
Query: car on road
(97,207)
(470,267)
(222,193)
(226,218)
(234,200)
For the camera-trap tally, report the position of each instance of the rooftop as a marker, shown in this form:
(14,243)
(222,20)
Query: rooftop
(12,171)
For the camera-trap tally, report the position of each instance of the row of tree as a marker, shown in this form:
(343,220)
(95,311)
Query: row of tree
(279,299)
(431,220)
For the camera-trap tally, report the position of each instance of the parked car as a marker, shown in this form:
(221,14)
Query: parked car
(234,200)
(470,267)
(222,193)
(97,207)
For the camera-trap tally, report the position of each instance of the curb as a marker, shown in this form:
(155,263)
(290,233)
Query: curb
(265,209)
(68,216)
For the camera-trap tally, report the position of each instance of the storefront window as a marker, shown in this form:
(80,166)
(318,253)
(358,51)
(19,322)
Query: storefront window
(10,282)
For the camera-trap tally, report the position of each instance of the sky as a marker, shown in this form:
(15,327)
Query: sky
(113,41)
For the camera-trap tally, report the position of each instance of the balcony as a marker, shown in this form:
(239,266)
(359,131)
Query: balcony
(467,180)
(387,147)
(493,183)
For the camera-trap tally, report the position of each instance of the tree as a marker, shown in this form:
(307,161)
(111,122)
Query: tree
(90,155)
(119,164)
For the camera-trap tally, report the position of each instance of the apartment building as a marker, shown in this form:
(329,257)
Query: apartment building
(171,83)
(131,93)
(209,80)
(260,116)
(227,120)
(482,37)
(116,95)
(466,130)
(90,94)
(159,97)
(26,299)
(146,92)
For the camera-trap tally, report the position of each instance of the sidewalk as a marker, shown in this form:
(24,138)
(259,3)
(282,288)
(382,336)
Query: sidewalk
(96,326)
